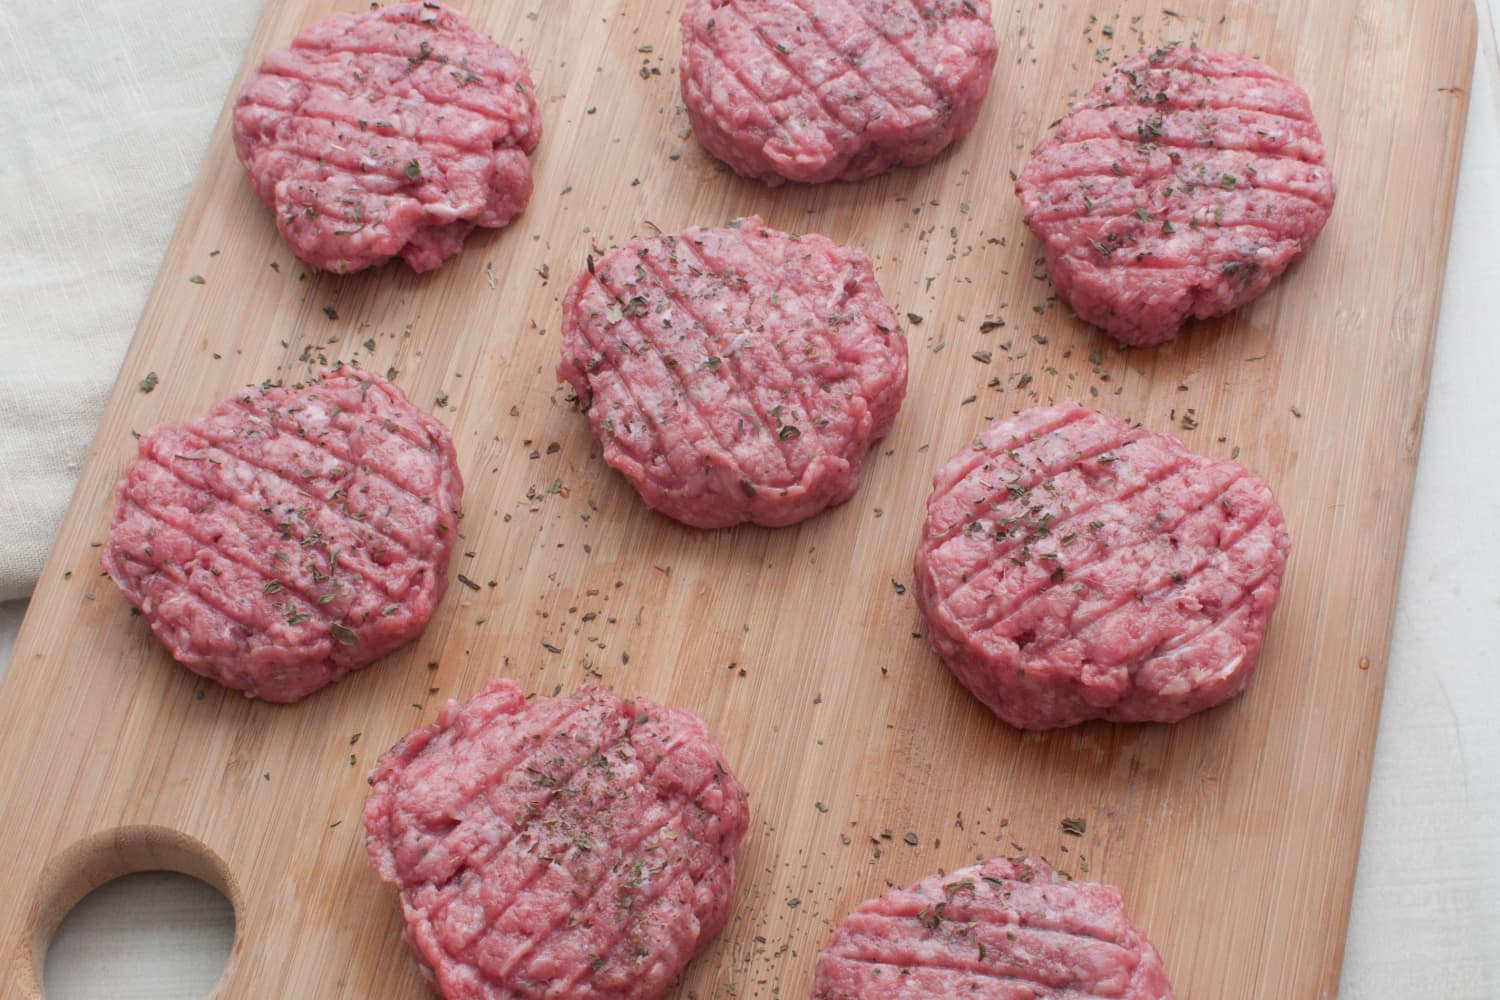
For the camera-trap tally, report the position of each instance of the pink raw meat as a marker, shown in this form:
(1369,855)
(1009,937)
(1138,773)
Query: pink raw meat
(1073,567)
(291,535)
(1005,929)
(579,847)
(1179,187)
(393,132)
(734,374)
(821,90)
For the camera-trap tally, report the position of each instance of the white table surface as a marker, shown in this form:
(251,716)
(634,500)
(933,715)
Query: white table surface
(1426,919)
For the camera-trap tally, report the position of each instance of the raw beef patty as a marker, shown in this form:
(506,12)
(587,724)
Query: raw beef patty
(391,132)
(578,847)
(291,535)
(1001,930)
(734,374)
(822,90)
(1073,567)
(1181,186)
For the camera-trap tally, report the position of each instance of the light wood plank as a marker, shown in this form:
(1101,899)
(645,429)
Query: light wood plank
(1233,834)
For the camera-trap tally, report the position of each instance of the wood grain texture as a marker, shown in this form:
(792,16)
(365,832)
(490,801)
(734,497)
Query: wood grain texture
(1233,835)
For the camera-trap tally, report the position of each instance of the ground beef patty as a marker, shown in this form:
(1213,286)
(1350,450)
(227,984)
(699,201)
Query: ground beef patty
(392,132)
(1073,567)
(822,90)
(290,536)
(734,374)
(1180,186)
(577,847)
(1001,930)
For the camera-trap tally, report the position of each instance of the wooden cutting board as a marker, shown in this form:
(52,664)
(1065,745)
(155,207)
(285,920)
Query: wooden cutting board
(1234,835)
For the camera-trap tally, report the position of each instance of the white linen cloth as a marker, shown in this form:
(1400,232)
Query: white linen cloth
(105,110)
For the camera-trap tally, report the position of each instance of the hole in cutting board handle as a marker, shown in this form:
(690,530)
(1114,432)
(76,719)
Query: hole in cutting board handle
(149,935)
(101,858)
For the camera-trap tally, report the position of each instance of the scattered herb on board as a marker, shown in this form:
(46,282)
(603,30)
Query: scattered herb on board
(899,587)
(911,839)
(467,582)
(1296,413)
(196,279)
(1074,827)
(149,382)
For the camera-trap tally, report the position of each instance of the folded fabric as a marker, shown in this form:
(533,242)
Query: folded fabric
(106,108)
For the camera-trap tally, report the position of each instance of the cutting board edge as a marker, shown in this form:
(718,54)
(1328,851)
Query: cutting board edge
(1366,769)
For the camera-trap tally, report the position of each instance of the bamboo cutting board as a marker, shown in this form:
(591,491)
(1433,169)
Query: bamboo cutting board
(1234,834)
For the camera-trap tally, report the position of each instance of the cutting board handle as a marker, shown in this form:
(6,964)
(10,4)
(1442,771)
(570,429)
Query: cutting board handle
(102,857)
